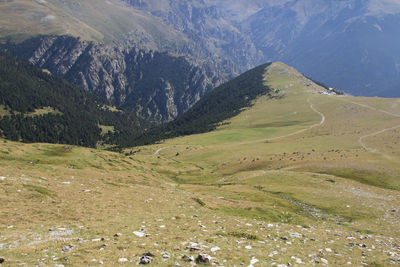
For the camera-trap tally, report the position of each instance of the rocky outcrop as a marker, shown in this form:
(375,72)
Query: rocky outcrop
(156,85)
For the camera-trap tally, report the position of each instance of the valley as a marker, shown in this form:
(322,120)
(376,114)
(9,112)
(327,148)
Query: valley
(302,177)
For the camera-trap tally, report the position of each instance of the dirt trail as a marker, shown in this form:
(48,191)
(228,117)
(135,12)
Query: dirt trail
(294,133)
(159,150)
(360,140)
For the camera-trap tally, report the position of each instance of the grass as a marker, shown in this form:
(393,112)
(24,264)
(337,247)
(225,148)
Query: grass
(243,235)
(90,20)
(41,190)
(200,202)
(44,111)
(318,189)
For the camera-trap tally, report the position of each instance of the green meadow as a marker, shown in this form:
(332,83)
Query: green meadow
(304,178)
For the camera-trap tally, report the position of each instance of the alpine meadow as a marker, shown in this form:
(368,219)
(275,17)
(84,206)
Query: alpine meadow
(199,133)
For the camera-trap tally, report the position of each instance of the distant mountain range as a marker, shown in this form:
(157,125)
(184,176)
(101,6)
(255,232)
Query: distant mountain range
(114,45)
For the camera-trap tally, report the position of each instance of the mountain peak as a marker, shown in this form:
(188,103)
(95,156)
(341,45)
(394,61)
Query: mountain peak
(284,79)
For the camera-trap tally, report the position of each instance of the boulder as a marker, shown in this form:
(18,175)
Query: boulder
(203,258)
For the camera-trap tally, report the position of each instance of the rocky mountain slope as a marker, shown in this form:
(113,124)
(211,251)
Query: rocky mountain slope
(353,45)
(156,85)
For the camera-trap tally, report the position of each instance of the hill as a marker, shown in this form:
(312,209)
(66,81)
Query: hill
(222,103)
(38,107)
(305,177)
(103,46)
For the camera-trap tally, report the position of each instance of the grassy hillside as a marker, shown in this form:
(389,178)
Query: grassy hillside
(304,178)
(220,104)
(90,19)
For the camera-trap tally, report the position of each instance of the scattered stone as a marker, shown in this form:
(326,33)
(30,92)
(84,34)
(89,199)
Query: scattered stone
(253,261)
(117,235)
(273,253)
(295,235)
(324,261)
(298,260)
(101,262)
(284,238)
(395,259)
(67,248)
(123,260)
(140,234)
(58,265)
(248,247)
(166,255)
(214,249)
(328,250)
(203,258)
(188,258)
(146,258)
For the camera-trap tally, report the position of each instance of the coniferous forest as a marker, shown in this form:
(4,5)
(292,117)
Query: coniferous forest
(72,115)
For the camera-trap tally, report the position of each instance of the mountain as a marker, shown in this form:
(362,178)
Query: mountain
(225,102)
(351,45)
(300,177)
(38,107)
(222,103)
(158,86)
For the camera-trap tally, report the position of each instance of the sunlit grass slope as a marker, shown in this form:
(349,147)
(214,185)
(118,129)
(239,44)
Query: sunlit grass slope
(100,20)
(303,178)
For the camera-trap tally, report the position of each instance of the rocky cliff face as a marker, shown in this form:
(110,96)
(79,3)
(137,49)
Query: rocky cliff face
(158,86)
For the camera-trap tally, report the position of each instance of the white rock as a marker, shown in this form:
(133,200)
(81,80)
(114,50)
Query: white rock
(273,253)
(328,250)
(249,224)
(123,260)
(214,249)
(139,234)
(248,247)
(253,261)
(324,261)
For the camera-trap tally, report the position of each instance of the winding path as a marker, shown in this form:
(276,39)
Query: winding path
(360,140)
(159,150)
(294,133)
(306,129)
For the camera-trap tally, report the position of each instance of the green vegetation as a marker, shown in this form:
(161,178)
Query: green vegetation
(243,235)
(41,190)
(38,107)
(275,190)
(222,103)
(201,202)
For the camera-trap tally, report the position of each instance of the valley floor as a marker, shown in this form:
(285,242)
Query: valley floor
(304,179)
